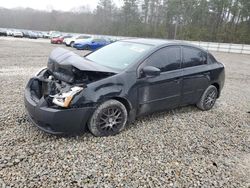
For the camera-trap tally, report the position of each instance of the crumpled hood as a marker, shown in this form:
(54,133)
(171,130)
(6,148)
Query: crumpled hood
(61,58)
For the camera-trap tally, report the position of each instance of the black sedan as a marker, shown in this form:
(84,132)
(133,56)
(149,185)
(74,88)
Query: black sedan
(119,82)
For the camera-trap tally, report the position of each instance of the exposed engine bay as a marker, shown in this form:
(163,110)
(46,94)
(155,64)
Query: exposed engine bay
(62,80)
(54,83)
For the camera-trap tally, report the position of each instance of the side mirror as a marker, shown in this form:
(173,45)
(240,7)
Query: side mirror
(151,71)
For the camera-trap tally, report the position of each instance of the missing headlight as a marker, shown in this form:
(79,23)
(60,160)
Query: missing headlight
(64,99)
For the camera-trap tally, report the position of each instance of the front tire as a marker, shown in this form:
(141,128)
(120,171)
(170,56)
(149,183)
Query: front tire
(87,47)
(108,119)
(208,98)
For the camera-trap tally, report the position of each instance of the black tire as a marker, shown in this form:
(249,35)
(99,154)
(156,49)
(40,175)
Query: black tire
(87,47)
(108,119)
(208,98)
(72,44)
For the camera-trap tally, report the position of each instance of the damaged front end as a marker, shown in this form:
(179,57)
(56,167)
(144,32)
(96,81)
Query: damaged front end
(54,91)
(66,75)
(49,94)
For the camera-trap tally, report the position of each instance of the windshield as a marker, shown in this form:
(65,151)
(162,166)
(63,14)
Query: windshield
(119,55)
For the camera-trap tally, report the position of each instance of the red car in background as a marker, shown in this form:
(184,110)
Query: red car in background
(59,39)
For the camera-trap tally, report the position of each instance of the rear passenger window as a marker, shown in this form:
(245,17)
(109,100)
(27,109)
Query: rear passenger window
(193,57)
(166,59)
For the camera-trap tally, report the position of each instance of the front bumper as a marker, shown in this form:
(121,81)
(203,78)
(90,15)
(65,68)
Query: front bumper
(56,121)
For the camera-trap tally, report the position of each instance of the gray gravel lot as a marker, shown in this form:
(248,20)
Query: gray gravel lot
(184,147)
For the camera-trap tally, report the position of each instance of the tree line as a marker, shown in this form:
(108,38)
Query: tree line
(199,20)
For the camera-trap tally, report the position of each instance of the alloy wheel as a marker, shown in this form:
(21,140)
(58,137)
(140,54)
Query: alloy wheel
(111,119)
(210,98)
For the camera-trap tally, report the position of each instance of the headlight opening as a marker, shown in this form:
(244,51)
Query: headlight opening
(65,98)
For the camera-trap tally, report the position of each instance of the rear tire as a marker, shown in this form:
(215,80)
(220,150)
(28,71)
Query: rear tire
(72,44)
(208,98)
(108,119)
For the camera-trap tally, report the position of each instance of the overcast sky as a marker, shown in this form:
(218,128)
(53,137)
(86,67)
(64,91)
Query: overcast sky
(64,5)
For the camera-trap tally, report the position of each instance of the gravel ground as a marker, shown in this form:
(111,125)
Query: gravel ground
(184,147)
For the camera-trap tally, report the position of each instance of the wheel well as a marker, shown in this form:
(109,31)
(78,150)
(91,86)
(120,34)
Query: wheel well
(124,102)
(218,88)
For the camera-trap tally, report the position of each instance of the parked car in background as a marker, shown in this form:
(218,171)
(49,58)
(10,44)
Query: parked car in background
(91,44)
(79,40)
(45,35)
(25,33)
(32,35)
(17,34)
(39,34)
(56,40)
(71,41)
(119,82)
(59,40)
(9,32)
(3,32)
(53,34)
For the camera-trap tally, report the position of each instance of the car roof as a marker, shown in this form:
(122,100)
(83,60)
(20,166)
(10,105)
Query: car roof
(154,42)
(160,42)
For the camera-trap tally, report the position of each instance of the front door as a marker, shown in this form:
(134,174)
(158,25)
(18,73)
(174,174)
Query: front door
(161,92)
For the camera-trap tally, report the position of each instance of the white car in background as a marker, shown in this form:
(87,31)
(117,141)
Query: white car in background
(71,41)
(80,40)
(9,32)
(17,34)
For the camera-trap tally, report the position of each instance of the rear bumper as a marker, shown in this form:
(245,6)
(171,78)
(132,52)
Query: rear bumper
(56,121)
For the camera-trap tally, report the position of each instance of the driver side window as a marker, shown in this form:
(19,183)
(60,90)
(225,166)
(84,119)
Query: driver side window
(166,59)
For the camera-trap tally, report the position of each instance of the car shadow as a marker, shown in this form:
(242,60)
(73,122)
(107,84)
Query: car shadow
(161,115)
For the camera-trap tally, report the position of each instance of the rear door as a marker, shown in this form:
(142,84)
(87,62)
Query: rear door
(163,91)
(196,74)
